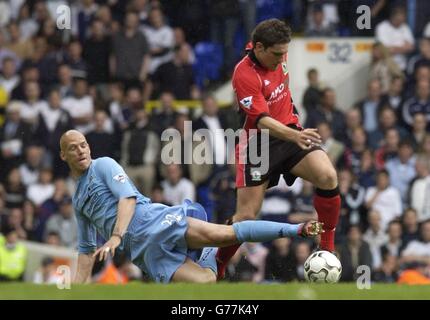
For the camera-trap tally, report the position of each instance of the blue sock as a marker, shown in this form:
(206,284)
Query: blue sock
(207,259)
(261,231)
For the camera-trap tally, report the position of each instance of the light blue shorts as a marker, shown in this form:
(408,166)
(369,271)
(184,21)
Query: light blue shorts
(156,238)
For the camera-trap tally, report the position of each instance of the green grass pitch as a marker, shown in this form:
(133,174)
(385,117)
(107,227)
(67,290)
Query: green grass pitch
(220,291)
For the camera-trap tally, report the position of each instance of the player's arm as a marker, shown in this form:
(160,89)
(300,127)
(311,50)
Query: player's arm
(120,186)
(305,138)
(85,266)
(126,208)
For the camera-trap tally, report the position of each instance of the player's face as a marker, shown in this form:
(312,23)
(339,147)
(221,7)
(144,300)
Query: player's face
(76,153)
(271,57)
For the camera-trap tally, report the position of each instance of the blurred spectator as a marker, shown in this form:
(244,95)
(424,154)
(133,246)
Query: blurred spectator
(375,236)
(30,169)
(65,80)
(353,253)
(104,14)
(14,137)
(180,41)
(302,251)
(43,190)
(176,188)
(352,120)
(279,261)
(419,129)
(22,47)
(32,104)
(367,171)
(394,244)
(118,110)
(424,148)
(383,67)
(388,273)
(53,122)
(15,221)
(352,155)
(140,152)
(82,15)
(330,145)
(418,251)
(164,116)
(176,76)
(421,58)
(394,95)
(384,198)
(303,209)
(4,52)
(9,79)
(422,73)
(15,191)
(53,239)
(27,25)
(396,35)
(371,106)
(420,189)
(80,106)
(312,95)
(410,226)
(419,103)
(223,194)
(64,223)
(13,257)
(78,66)
(352,210)
(160,39)
(277,203)
(103,143)
(96,51)
(389,148)
(130,52)
(157,195)
(224,20)
(328,112)
(142,7)
(47,273)
(249,262)
(318,25)
(387,119)
(402,169)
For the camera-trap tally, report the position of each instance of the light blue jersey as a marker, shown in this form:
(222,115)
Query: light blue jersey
(96,201)
(155,238)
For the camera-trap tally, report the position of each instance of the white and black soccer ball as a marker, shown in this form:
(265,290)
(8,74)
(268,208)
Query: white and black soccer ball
(322,267)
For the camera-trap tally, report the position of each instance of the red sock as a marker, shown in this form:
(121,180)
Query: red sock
(327,205)
(223,257)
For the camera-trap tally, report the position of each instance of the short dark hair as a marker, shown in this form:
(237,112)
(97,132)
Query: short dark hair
(271,32)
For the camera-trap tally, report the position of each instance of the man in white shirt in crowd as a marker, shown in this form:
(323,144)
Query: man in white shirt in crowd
(397,36)
(177,188)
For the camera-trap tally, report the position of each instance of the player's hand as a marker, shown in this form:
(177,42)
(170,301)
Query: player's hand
(311,229)
(308,138)
(108,247)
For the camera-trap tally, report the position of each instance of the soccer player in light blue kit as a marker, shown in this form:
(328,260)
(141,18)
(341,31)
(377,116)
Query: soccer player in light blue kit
(155,237)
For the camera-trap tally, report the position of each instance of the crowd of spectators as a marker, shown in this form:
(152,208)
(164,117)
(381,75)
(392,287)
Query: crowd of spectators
(99,76)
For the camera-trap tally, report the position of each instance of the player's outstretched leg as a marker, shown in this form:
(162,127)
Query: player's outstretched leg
(317,168)
(249,200)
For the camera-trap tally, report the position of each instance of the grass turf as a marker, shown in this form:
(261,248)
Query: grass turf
(220,291)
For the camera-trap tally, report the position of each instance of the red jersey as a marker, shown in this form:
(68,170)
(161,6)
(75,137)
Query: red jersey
(262,92)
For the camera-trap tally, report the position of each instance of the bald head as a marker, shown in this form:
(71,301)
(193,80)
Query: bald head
(75,151)
(68,136)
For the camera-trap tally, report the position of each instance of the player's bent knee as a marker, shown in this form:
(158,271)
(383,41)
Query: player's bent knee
(327,180)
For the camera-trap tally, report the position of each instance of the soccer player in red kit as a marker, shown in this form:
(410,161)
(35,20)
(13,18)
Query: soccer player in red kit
(260,81)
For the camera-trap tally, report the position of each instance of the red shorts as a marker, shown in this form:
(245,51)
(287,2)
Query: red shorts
(283,156)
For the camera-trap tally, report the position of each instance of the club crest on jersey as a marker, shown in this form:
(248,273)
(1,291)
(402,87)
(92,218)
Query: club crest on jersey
(256,175)
(284,68)
(246,102)
(120,178)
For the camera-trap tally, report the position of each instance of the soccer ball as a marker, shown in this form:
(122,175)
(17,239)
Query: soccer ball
(322,266)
